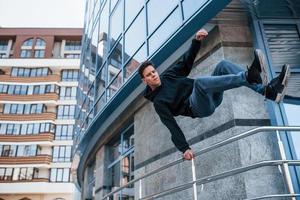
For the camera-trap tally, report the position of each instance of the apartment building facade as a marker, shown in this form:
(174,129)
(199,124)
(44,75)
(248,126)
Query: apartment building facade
(38,85)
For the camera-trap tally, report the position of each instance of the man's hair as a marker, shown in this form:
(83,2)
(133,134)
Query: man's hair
(143,66)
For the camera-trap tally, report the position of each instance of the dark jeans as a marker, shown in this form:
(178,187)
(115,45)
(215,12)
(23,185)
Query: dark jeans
(208,91)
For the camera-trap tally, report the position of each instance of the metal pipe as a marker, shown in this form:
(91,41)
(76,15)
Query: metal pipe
(275,195)
(222,175)
(140,189)
(194,179)
(285,167)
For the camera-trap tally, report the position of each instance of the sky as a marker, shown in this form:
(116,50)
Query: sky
(42,13)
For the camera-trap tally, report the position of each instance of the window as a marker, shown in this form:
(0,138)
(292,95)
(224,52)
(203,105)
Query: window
(122,160)
(3,45)
(29,49)
(39,53)
(23,109)
(73,45)
(40,43)
(3,88)
(66,112)
(69,75)
(62,154)
(6,174)
(64,132)
(60,175)
(27,150)
(8,150)
(116,23)
(68,93)
(30,72)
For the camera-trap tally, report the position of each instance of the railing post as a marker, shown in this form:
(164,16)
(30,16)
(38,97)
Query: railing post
(285,167)
(140,188)
(194,180)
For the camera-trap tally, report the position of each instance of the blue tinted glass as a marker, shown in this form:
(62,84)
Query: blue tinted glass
(113,3)
(132,7)
(191,6)
(135,35)
(169,26)
(104,19)
(136,60)
(115,62)
(157,11)
(116,23)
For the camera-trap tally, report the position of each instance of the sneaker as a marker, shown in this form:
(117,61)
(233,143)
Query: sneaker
(276,89)
(257,67)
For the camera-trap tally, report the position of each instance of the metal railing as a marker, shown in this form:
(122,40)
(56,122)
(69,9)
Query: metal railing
(283,163)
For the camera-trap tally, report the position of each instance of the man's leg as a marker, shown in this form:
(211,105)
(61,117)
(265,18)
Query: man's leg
(208,91)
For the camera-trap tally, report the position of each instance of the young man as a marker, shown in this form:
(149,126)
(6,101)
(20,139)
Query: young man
(174,94)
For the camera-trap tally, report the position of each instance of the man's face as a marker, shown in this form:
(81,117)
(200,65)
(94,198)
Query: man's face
(151,77)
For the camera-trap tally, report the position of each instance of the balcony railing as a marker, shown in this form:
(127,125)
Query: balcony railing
(30,117)
(38,159)
(35,97)
(49,78)
(27,138)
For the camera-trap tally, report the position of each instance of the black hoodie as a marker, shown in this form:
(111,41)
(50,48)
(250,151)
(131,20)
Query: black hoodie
(171,98)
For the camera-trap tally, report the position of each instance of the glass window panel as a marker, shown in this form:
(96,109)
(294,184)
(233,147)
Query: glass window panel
(30,129)
(115,63)
(191,6)
(53,175)
(115,85)
(26,72)
(24,129)
(20,109)
(132,8)
(163,33)
(13,109)
(116,23)
(66,175)
(59,175)
(135,35)
(6,108)
(11,89)
(134,62)
(3,128)
(27,109)
(157,11)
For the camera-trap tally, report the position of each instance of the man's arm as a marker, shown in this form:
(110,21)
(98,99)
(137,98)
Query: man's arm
(184,67)
(169,121)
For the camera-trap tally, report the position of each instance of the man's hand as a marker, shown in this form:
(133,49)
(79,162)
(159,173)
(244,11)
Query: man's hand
(188,154)
(201,34)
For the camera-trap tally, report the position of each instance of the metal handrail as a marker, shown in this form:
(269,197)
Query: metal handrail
(207,149)
(222,175)
(275,195)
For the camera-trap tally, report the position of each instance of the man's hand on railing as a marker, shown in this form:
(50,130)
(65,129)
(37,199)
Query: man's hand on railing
(188,155)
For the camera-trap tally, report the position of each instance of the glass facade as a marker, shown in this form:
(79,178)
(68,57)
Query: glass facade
(119,35)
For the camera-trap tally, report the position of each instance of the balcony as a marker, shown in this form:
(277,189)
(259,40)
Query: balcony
(15,79)
(39,159)
(37,97)
(31,117)
(22,181)
(27,138)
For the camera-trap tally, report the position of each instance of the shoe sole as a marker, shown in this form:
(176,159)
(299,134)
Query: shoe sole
(284,82)
(261,59)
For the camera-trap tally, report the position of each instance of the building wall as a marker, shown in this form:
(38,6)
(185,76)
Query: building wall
(41,183)
(241,110)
